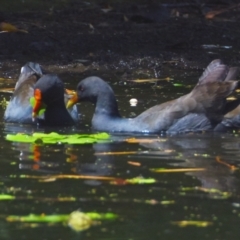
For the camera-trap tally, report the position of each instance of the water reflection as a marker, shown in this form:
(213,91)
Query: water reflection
(210,158)
(204,152)
(125,157)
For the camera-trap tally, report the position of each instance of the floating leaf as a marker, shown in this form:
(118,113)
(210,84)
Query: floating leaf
(102,216)
(137,180)
(192,223)
(7,79)
(113,180)
(6,90)
(60,217)
(64,176)
(163,170)
(6,197)
(167,202)
(116,153)
(143,140)
(20,138)
(232,167)
(213,13)
(77,220)
(137,164)
(53,138)
(7,27)
(213,191)
(4,103)
(38,218)
(150,80)
(140,180)
(177,84)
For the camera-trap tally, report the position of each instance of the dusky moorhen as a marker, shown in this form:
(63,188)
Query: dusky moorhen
(49,90)
(202,109)
(222,72)
(19,109)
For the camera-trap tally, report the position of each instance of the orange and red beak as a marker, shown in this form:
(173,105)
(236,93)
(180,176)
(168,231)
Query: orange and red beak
(37,104)
(73,100)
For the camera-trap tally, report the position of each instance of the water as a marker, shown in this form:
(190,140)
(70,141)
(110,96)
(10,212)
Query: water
(204,186)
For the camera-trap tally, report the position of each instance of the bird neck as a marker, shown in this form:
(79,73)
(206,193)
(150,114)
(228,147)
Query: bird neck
(106,104)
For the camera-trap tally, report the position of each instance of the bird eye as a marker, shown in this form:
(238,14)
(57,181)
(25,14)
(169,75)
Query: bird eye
(81,89)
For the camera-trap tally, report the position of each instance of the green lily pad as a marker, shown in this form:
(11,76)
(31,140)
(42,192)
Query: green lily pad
(139,180)
(60,217)
(177,84)
(38,218)
(53,138)
(102,216)
(6,197)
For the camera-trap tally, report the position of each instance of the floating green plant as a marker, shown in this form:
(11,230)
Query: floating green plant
(3,103)
(6,197)
(186,223)
(60,217)
(215,193)
(178,85)
(140,180)
(77,220)
(112,180)
(39,218)
(53,138)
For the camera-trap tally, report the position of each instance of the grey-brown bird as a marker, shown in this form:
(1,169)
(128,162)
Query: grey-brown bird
(201,109)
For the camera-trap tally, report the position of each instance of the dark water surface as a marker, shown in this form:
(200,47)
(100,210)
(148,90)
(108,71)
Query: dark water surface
(207,192)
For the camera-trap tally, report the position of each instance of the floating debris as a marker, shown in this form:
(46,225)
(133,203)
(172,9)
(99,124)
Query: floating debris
(8,27)
(133,102)
(77,220)
(212,46)
(163,170)
(186,223)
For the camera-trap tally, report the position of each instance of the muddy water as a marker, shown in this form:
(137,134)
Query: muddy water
(205,188)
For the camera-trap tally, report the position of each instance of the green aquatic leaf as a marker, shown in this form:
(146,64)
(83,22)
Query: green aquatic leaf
(140,180)
(177,84)
(53,138)
(38,218)
(186,223)
(102,135)
(216,193)
(56,218)
(102,216)
(4,103)
(6,197)
(19,137)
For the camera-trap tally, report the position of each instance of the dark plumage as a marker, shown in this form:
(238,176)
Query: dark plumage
(49,90)
(19,109)
(202,109)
